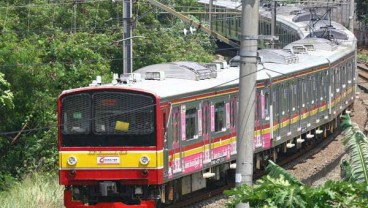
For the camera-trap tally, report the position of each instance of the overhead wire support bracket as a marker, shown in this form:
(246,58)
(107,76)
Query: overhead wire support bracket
(243,52)
(259,37)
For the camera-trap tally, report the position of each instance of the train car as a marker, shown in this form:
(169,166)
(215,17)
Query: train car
(293,21)
(148,138)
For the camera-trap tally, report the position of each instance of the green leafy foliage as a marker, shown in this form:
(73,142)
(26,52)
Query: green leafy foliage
(281,190)
(276,171)
(6,96)
(51,46)
(356,143)
(361,10)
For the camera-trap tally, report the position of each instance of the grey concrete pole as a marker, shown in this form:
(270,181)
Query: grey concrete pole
(247,90)
(127,37)
(210,13)
(352,16)
(273,21)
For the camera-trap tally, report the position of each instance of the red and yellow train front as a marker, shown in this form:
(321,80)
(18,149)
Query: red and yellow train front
(109,151)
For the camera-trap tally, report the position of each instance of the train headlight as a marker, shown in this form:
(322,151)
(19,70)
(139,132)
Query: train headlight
(144,160)
(72,160)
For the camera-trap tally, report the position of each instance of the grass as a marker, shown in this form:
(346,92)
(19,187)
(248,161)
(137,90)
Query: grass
(34,191)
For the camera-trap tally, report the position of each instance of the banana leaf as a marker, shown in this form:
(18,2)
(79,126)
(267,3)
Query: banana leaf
(356,144)
(276,171)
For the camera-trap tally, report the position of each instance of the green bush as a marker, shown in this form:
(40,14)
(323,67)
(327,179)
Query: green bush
(35,191)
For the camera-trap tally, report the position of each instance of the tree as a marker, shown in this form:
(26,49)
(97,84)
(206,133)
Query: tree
(362,11)
(51,46)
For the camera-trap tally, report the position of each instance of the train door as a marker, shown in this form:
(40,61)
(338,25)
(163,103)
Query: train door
(338,88)
(265,115)
(175,162)
(165,115)
(324,97)
(299,103)
(276,97)
(206,131)
(304,105)
(284,109)
(314,102)
(258,122)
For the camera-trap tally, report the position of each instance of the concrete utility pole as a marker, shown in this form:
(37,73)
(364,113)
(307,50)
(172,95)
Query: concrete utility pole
(273,20)
(127,37)
(210,13)
(247,90)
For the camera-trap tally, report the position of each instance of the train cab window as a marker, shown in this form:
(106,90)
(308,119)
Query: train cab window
(191,123)
(219,116)
(76,114)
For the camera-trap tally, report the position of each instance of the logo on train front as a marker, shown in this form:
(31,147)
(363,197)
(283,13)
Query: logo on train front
(102,160)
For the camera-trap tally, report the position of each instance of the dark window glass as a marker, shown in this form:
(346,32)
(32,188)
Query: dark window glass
(108,119)
(123,113)
(75,116)
(219,116)
(190,122)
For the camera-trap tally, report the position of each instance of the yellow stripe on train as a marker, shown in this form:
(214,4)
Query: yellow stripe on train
(110,159)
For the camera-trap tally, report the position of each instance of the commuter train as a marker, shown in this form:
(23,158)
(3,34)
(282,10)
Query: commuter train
(149,138)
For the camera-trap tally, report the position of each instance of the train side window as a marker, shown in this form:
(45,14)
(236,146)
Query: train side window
(275,101)
(322,79)
(343,77)
(309,91)
(219,116)
(233,111)
(191,123)
(304,92)
(164,117)
(285,103)
(314,87)
(267,105)
(337,79)
(293,95)
(258,107)
(176,126)
(348,73)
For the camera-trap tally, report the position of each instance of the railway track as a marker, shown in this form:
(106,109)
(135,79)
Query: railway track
(363,70)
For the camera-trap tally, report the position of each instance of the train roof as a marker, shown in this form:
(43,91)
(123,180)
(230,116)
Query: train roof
(180,79)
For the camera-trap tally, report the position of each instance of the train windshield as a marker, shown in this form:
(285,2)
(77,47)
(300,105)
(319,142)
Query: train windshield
(108,119)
